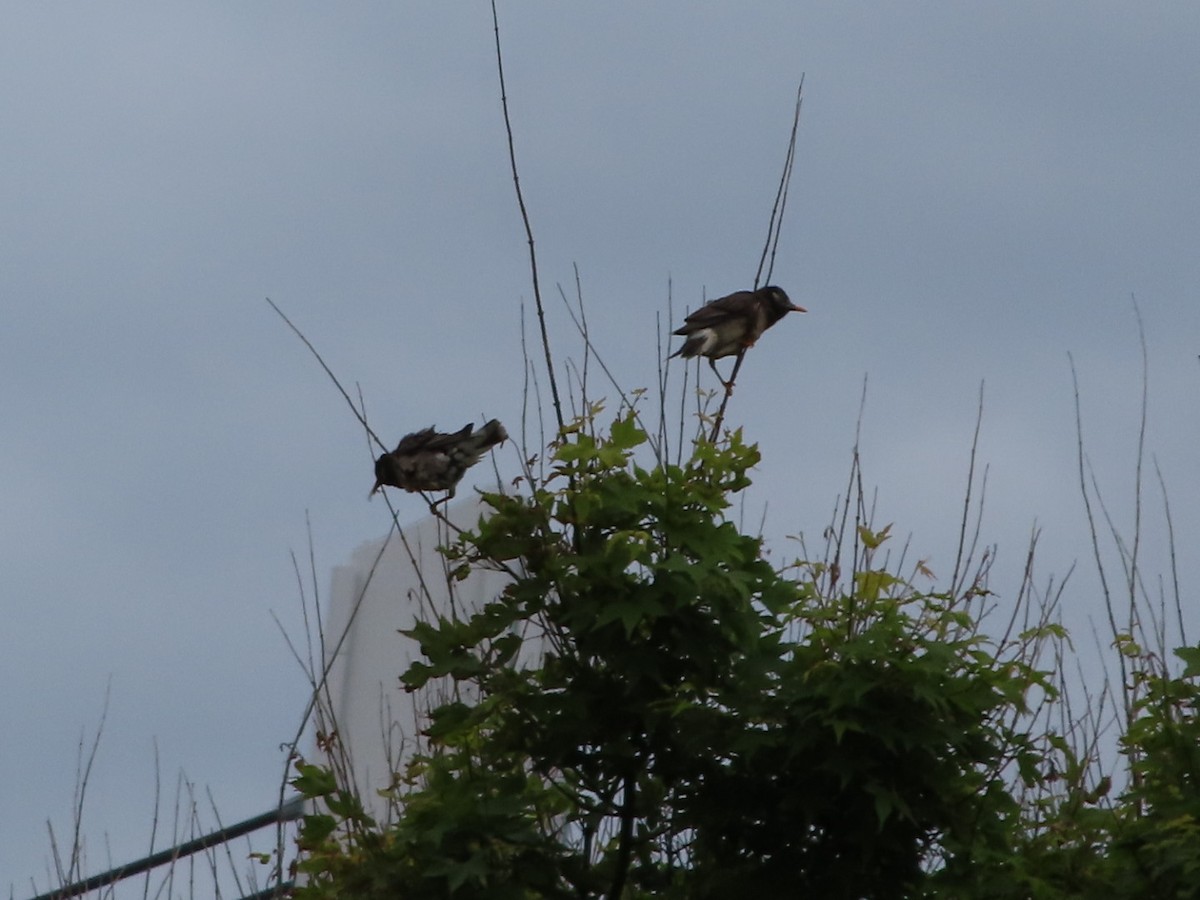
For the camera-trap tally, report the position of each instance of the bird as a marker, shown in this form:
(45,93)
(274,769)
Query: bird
(728,325)
(429,460)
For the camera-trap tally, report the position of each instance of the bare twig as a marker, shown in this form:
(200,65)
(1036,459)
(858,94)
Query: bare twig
(1141,455)
(1095,538)
(318,683)
(530,377)
(329,372)
(771,244)
(75,867)
(720,419)
(1174,562)
(537,291)
(959,562)
(583,327)
(154,821)
(627,401)
(785,180)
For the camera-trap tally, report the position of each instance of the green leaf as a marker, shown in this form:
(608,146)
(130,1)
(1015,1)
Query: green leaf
(316,829)
(1191,659)
(582,449)
(872,584)
(626,434)
(871,539)
(313,781)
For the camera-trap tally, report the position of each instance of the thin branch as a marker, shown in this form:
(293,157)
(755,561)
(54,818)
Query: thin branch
(771,244)
(720,419)
(628,402)
(962,527)
(1171,545)
(329,372)
(583,327)
(75,867)
(154,821)
(1141,455)
(776,220)
(537,291)
(1091,520)
(625,841)
(319,684)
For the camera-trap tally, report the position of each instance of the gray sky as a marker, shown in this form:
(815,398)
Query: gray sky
(979,190)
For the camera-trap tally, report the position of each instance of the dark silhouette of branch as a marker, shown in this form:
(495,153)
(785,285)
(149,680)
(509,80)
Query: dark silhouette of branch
(1093,531)
(963,563)
(625,844)
(785,180)
(1133,572)
(1174,561)
(774,225)
(720,419)
(580,322)
(537,291)
(329,372)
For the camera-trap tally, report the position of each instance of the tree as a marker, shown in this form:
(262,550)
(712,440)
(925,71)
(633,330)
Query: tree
(650,708)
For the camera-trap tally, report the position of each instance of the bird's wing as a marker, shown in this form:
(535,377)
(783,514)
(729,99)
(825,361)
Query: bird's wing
(735,305)
(442,442)
(416,442)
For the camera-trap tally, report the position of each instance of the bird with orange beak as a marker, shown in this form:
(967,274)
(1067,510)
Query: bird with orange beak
(728,325)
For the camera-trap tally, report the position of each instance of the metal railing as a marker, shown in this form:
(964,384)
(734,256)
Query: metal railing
(291,809)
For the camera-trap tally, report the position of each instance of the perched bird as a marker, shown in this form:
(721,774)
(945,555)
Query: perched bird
(728,325)
(428,460)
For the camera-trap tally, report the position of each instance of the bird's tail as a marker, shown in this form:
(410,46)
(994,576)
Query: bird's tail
(488,436)
(691,347)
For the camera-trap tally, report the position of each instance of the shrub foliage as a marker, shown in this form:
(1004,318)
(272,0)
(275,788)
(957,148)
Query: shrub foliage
(651,708)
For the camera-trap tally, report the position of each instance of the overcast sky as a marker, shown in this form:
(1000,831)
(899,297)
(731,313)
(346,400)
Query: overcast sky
(980,189)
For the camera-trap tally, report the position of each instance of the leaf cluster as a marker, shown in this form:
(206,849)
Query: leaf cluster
(650,708)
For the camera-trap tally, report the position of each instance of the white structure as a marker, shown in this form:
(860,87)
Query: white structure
(386,587)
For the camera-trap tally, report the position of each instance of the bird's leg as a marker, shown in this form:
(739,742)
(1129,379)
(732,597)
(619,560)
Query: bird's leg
(728,385)
(434,504)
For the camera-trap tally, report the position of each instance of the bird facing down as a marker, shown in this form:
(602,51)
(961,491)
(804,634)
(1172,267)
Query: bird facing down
(728,325)
(428,460)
